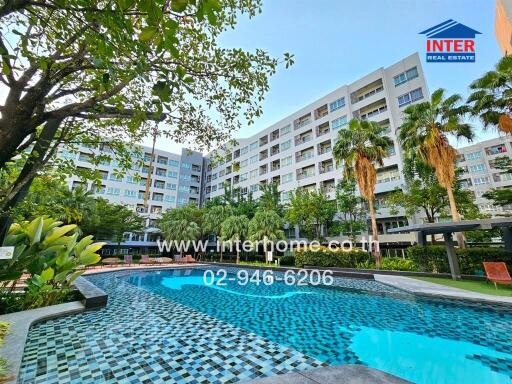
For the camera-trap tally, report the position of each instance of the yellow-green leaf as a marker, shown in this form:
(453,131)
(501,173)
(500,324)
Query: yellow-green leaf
(47,274)
(55,233)
(147,33)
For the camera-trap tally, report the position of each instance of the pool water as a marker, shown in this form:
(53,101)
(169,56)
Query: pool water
(168,326)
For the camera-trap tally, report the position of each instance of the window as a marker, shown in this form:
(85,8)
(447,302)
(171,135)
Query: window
(416,94)
(214,188)
(130,180)
(243,176)
(160,172)
(170,199)
(130,193)
(255,187)
(286,161)
(174,163)
(285,196)
(183,188)
(159,184)
(84,157)
(337,104)
(286,178)
(244,150)
(405,76)
(244,163)
(385,175)
(404,100)
(186,165)
(113,191)
(222,172)
(253,146)
(115,178)
(285,130)
(477,167)
(339,122)
(473,155)
(185,177)
(286,145)
(481,180)
(410,97)
(172,174)
(253,159)
(171,186)
(253,173)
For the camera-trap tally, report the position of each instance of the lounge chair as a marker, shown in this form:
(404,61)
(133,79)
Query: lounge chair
(188,259)
(110,261)
(145,259)
(163,260)
(497,273)
(128,259)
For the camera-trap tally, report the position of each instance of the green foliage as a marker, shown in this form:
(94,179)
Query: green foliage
(53,256)
(325,257)
(287,260)
(349,205)
(310,210)
(391,264)
(236,229)
(434,259)
(270,198)
(266,224)
(501,197)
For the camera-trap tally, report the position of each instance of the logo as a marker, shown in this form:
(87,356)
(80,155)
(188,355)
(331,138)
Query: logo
(450,42)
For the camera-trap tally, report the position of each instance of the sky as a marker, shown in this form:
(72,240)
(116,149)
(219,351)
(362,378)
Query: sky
(335,42)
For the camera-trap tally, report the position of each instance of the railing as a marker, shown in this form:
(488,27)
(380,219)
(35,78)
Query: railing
(302,140)
(305,174)
(325,169)
(321,150)
(304,156)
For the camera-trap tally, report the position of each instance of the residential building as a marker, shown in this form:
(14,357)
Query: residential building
(296,151)
(480,172)
(175,181)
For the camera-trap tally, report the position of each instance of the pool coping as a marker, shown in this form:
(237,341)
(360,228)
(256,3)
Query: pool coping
(334,374)
(425,288)
(20,322)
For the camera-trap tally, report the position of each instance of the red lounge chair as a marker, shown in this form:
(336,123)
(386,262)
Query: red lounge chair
(145,259)
(128,259)
(497,273)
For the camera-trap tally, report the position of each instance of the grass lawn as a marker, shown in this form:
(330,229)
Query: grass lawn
(471,285)
(258,264)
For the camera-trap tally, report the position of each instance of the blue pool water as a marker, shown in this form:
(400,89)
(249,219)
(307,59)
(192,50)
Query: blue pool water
(168,326)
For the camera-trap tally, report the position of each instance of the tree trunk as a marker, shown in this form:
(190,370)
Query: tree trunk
(221,248)
(237,256)
(24,180)
(375,233)
(455,217)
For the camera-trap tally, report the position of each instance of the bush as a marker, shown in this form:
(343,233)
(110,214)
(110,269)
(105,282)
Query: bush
(287,260)
(433,258)
(325,257)
(391,264)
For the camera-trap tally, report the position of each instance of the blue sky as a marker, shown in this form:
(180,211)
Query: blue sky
(335,42)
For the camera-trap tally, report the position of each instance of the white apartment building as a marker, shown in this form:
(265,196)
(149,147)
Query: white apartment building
(175,181)
(296,151)
(481,174)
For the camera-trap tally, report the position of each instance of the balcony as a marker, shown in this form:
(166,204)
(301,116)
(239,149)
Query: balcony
(496,150)
(323,129)
(263,154)
(305,154)
(324,147)
(263,169)
(321,112)
(498,177)
(306,172)
(196,168)
(236,154)
(276,180)
(371,110)
(195,179)
(236,179)
(326,166)
(274,150)
(275,165)
(302,121)
(328,186)
(274,135)
(367,91)
(263,140)
(304,137)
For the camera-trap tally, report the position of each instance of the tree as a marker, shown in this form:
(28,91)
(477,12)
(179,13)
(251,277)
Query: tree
(179,230)
(491,99)
(108,221)
(501,197)
(359,148)
(424,133)
(310,210)
(270,198)
(235,228)
(266,225)
(75,204)
(348,204)
(213,218)
(79,73)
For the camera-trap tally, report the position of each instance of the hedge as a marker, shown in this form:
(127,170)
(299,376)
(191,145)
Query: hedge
(325,257)
(433,258)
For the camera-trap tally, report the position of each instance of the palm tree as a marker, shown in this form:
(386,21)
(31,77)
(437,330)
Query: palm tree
(75,204)
(213,219)
(270,198)
(359,148)
(235,228)
(492,96)
(180,230)
(266,225)
(424,133)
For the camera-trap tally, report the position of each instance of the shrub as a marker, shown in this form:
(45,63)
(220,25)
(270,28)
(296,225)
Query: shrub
(433,258)
(325,257)
(391,264)
(287,260)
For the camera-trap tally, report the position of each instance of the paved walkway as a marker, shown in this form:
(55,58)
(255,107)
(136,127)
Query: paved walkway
(426,288)
(121,267)
(339,374)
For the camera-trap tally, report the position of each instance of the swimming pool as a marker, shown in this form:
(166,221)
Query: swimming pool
(168,326)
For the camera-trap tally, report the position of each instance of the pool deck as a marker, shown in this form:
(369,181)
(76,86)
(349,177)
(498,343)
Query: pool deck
(339,374)
(426,288)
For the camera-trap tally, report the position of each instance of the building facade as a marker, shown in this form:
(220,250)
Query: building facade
(296,151)
(176,181)
(478,161)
